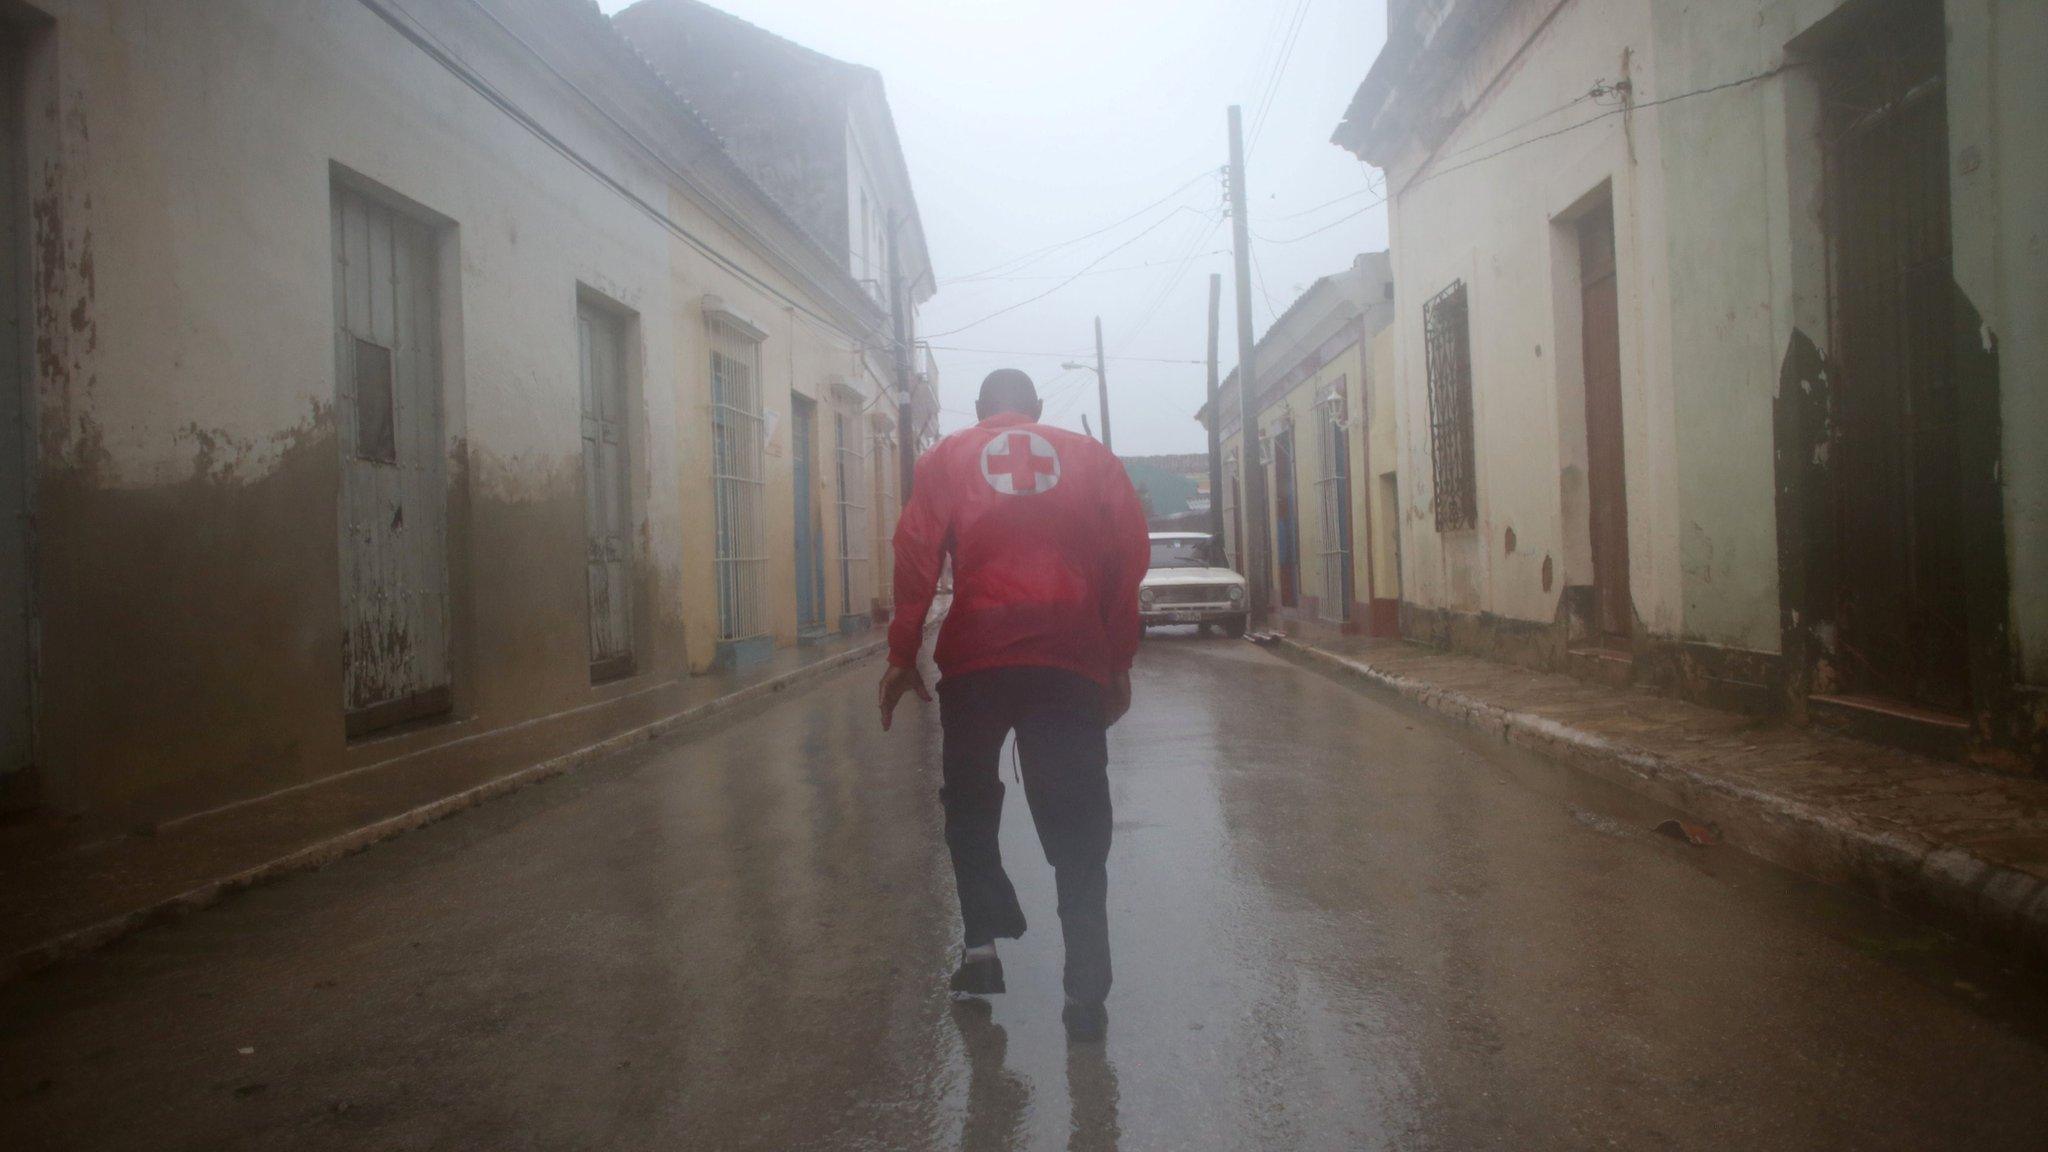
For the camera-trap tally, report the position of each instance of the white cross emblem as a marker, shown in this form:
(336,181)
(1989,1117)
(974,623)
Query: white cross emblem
(1019,462)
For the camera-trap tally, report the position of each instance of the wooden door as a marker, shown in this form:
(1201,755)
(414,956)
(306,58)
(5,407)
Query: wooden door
(1335,498)
(394,488)
(1286,516)
(1606,470)
(607,499)
(15,604)
(1895,458)
(810,524)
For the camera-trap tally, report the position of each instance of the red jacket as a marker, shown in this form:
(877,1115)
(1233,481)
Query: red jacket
(1048,543)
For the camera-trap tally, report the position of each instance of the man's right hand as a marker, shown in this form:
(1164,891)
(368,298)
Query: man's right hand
(895,682)
(1117,700)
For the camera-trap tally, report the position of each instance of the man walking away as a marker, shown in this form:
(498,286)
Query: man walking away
(1049,544)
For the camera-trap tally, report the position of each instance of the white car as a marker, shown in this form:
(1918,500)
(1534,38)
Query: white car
(1188,583)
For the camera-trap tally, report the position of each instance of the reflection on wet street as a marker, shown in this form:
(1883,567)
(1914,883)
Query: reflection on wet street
(1337,925)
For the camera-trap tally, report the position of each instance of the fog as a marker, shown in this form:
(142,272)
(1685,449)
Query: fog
(1029,125)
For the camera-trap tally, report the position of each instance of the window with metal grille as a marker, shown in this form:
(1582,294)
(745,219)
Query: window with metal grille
(736,479)
(849,448)
(607,493)
(1447,336)
(1333,489)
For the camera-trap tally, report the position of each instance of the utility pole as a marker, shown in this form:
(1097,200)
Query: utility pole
(906,435)
(1257,530)
(1085,429)
(1215,417)
(1102,383)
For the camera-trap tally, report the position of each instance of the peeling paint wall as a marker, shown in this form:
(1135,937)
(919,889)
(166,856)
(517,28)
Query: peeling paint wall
(1712,158)
(1454,218)
(185,366)
(1998,143)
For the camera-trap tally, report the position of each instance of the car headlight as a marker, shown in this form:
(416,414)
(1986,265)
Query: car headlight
(1144,595)
(1236,593)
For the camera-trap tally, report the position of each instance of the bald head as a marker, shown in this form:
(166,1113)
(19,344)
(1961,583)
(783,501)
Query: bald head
(1007,390)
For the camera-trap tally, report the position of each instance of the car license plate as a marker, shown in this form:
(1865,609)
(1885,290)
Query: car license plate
(1185,617)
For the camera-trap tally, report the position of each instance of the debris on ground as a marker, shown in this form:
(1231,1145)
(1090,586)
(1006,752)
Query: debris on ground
(1699,835)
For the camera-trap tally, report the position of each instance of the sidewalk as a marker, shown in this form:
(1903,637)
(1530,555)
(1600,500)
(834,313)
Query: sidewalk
(67,895)
(1959,846)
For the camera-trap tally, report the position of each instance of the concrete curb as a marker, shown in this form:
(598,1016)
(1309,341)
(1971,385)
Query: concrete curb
(324,852)
(1950,886)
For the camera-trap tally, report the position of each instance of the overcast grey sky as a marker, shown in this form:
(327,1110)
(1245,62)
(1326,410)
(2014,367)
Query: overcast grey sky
(1027,123)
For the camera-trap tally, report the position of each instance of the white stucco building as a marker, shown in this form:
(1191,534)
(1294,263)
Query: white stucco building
(377,378)
(1722,332)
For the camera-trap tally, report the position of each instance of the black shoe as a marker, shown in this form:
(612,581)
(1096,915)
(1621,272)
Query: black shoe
(982,977)
(1087,1022)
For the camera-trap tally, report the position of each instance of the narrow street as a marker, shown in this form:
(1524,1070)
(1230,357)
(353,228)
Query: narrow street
(1338,924)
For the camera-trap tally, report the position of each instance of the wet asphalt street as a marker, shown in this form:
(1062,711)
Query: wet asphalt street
(1338,924)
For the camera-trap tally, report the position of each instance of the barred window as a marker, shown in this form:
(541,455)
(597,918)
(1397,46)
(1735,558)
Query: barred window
(1447,334)
(736,474)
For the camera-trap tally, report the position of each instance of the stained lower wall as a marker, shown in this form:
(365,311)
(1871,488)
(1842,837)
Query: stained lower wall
(187,546)
(1713,168)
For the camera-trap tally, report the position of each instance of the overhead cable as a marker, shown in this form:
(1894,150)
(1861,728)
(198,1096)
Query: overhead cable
(1023,259)
(1154,226)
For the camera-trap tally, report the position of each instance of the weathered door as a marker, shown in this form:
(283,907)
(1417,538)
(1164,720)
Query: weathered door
(810,526)
(848,488)
(394,497)
(1899,561)
(1606,472)
(14,441)
(1286,516)
(607,502)
(1335,498)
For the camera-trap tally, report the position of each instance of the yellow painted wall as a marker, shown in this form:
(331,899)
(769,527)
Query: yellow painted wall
(800,354)
(1298,406)
(1381,444)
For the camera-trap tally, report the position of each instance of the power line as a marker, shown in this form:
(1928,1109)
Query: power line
(1062,284)
(1023,260)
(1097,272)
(1368,190)
(1259,270)
(1060,355)
(1538,118)
(1173,280)
(1279,72)
(1324,228)
(1766,74)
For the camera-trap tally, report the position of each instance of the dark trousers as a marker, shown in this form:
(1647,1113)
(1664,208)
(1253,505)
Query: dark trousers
(1057,716)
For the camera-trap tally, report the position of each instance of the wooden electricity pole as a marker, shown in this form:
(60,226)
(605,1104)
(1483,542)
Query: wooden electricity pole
(1257,529)
(1102,383)
(1215,417)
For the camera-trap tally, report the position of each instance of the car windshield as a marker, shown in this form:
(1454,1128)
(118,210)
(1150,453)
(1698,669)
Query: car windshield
(1190,553)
